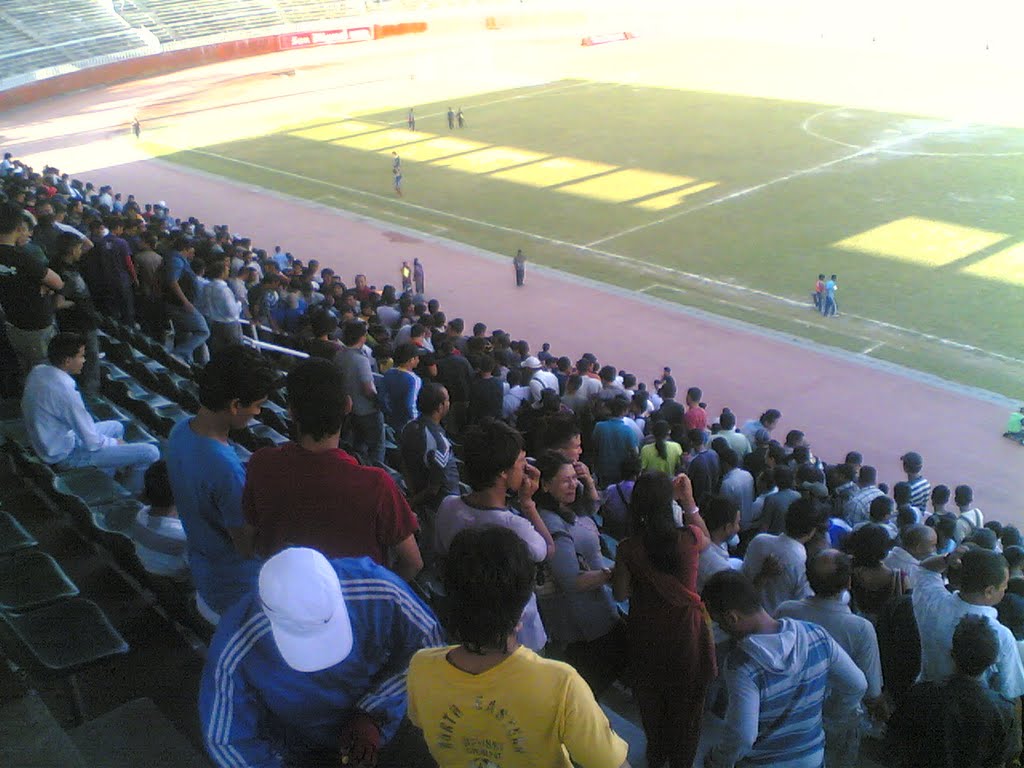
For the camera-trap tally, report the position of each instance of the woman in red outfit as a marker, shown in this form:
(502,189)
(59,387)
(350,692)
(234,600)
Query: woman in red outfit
(672,652)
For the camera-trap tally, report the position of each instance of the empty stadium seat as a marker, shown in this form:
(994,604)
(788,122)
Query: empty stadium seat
(60,640)
(32,579)
(13,537)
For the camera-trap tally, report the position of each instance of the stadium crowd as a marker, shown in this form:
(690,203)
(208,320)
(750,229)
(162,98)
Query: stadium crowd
(474,541)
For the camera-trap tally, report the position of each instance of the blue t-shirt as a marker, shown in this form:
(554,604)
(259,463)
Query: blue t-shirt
(207,479)
(614,440)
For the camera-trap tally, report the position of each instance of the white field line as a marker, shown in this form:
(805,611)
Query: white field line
(609,255)
(860,152)
(872,348)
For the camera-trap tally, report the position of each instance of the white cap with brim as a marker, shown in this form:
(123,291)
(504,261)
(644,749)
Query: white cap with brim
(530,363)
(302,597)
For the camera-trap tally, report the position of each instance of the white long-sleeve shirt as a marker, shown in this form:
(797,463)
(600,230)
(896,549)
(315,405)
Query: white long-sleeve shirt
(221,304)
(55,416)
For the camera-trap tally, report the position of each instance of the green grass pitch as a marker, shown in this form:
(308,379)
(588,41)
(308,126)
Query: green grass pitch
(728,203)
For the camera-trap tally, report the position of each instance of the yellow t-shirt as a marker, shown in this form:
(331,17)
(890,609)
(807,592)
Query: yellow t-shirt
(526,712)
(650,461)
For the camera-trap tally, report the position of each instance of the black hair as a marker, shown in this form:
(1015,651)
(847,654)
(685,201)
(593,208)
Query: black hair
(770,416)
(719,511)
(902,493)
(727,419)
(64,346)
(430,397)
(1010,536)
(352,332)
(940,494)
(982,568)
(316,398)
(983,538)
(963,495)
(881,508)
(783,477)
(975,645)
(559,429)
(236,373)
(868,475)
(869,545)
(661,430)
(854,458)
(157,485)
(489,577)
(404,353)
(11,217)
(489,448)
(548,464)
(833,581)
(651,513)
(693,394)
(803,517)
(730,590)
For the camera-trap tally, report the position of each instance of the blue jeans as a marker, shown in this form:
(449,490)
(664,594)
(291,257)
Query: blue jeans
(136,457)
(190,331)
(830,306)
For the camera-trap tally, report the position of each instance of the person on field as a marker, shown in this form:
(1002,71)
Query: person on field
(519,262)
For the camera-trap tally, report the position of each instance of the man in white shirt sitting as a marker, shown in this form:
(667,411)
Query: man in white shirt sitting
(62,431)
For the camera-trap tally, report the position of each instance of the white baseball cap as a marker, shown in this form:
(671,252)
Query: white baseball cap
(302,597)
(530,362)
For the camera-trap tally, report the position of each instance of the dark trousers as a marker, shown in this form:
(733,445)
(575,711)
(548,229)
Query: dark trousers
(671,718)
(520,276)
(366,435)
(600,661)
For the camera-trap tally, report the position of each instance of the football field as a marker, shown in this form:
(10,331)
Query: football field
(727,202)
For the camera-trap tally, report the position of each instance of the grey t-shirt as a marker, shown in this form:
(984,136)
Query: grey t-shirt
(356,372)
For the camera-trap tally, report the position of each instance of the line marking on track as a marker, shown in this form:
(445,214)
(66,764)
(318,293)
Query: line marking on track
(872,348)
(608,255)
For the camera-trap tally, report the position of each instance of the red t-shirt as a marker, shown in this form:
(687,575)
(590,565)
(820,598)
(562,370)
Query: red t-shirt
(696,417)
(325,501)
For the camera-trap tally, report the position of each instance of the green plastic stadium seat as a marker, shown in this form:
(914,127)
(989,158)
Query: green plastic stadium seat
(91,485)
(13,537)
(32,579)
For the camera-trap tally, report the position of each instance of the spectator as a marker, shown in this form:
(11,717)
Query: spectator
(983,579)
(614,441)
(970,517)
(456,374)
(874,583)
(428,457)
(223,310)
(489,577)
(920,488)
(365,427)
(309,667)
(323,325)
(399,388)
(773,514)
(207,477)
(486,391)
(580,615)
(704,469)
(959,721)
(671,653)
(671,411)
(310,493)
(26,287)
(829,573)
(736,439)
(918,543)
(767,421)
(880,513)
(803,518)
(77,313)
(856,510)
(695,417)
(778,673)
(157,532)
(495,463)
(180,291)
(737,483)
(906,513)
(663,455)
(615,509)
(721,516)
(61,430)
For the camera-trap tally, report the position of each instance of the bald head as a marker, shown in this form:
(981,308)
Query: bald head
(828,573)
(919,540)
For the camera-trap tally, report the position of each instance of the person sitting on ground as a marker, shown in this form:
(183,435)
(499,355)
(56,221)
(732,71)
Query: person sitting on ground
(311,493)
(157,533)
(541,712)
(959,721)
(308,667)
(829,573)
(495,464)
(207,477)
(778,673)
(62,432)
(580,615)
(1015,425)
